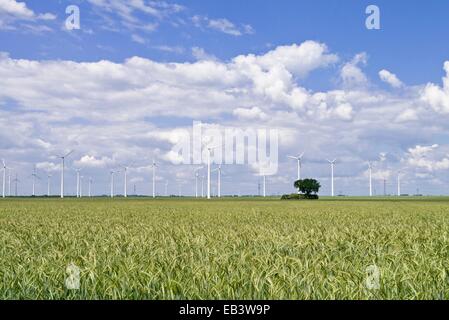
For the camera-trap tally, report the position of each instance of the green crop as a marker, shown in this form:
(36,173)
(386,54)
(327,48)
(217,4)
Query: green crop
(224,249)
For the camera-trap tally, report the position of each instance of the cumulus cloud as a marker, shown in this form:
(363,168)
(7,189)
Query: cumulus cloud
(390,78)
(426,157)
(438,97)
(88,161)
(138,109)
(250,114)
(351,73)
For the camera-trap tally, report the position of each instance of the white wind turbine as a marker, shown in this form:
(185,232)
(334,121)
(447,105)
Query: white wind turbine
(62,171)
(202,186)
(81,186)
(370,168)
(16,181)
(399,183)
(125,187)
(218,180)
(90,187)
(299,162)
(153,166)
(112,172)
(264,185)
(34,175)
(48,184)
(4,178)
(332,163)
(196,180)
(209,152)
(78,182)
(9,182)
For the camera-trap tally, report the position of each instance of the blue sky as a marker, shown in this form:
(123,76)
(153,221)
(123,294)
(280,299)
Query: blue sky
(363,93)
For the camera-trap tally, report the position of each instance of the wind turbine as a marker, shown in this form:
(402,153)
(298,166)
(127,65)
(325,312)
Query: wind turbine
(9,182)
(78,183)
(202,186)
(399,183)
(34,175)
(370,168)
(264,185)
(90,187)
(299,161)
(48,184)
(332,174)
(209,151)
(16,180)
(4,177)
(154,165)
(218,180)
(81,186)
(125,189)
(112,182)
(62,171)
(196,180)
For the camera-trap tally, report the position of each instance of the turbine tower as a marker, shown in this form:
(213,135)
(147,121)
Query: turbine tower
(78,183)
(299,161)
(90,187)
(264,185)
(4,178)
(125,187)
(9,182)
(34,175)
(62,171)
(202,186)
(196,180)
(154,165)
(209,151)
(16,180)
(332,163)
(48,184)
(112,182)
(370,168)
(218,180)
(81,186)
(399,183)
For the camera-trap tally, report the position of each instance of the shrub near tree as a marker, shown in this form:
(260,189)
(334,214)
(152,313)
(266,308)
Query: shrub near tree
(308,189)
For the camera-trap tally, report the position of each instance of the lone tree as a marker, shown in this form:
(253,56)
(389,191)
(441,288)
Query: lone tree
(308,186)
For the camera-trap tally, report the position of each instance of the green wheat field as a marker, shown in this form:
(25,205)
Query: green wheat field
(225,249)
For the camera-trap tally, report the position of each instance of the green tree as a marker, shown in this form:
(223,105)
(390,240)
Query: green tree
(308,186)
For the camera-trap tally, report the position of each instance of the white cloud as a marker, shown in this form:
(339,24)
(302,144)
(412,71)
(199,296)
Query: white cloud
(12,11)
(351,73)
(390,78)
(250,114)
(407,115)
(88,161)
(138,39)
(222,25)
(438,97)
(139,108)
(201,54)
(426,157)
